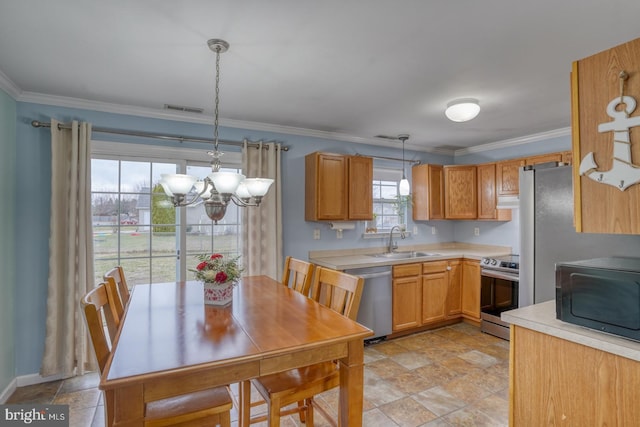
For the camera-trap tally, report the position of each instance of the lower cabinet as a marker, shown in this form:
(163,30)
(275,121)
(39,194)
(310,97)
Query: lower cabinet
(426,293)
(471,289)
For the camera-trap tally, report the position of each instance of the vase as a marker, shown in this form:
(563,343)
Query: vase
(218,293)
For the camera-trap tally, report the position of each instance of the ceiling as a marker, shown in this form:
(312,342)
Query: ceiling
(345,69)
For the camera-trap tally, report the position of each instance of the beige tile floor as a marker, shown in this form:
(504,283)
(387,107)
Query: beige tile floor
(453,376)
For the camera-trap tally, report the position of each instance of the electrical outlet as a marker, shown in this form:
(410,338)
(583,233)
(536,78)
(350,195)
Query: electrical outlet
(316,234)
(338,234)
(434,230)
(476,231)
(415,230)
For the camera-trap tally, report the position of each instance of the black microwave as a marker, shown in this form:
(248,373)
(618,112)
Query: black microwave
(601,294)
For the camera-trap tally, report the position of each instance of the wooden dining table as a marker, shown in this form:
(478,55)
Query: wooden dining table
(171,343)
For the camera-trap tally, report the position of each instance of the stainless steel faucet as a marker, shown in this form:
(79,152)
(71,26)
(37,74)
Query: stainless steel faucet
(393,246)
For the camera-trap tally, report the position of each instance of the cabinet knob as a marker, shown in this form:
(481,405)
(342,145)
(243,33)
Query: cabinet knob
(448,267)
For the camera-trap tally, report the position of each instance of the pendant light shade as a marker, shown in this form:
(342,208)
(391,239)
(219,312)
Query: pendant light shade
(403,188)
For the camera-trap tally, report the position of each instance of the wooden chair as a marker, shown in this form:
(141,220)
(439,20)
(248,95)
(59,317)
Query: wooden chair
(341,292)
(210,407)
(117,275)
(297,275)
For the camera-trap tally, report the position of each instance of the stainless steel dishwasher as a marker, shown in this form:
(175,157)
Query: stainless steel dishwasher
(375,305)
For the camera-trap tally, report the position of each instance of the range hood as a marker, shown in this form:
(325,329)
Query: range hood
(508,202)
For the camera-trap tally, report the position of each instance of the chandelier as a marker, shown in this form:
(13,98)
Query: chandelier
(218,188)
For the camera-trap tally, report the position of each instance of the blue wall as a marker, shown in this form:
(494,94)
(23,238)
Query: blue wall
(32,201)
(7,239)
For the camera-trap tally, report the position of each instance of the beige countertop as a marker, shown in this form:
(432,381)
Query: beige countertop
(542,318)
(344,259)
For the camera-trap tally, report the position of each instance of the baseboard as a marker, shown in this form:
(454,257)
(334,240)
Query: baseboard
(8,391)
(31,379)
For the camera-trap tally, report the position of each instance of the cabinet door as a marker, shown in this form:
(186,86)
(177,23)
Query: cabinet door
(325,187)
(360,187)
(434,295)
(454,291)
(508,177)
(428,192)
(471,289)
(461,192)
(407,300)
(487,198)
(544,158)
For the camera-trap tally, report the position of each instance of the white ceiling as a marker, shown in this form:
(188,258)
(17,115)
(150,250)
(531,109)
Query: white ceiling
(351,69)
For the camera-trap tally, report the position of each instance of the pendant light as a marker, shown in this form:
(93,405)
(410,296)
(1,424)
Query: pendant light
(218,188)
(404,188)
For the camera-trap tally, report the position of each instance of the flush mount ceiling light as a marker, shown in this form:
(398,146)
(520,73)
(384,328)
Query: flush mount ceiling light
(219,187)
(462,110)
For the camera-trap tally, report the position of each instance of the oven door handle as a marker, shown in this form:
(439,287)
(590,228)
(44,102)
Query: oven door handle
(499,275)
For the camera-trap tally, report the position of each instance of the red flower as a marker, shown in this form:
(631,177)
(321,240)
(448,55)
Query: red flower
(221,277)
(215,256)
(201,266)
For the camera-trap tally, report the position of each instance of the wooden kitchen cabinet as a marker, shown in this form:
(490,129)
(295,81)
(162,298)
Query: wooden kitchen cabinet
(487,194)
(460,200)
(338,187)
(558,382)
(543,158)
(595,84)
(425,294)
(407,296)
(471,289)
(508,177)
(427,192)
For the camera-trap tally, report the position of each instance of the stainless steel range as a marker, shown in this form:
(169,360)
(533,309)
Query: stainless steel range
(498,292)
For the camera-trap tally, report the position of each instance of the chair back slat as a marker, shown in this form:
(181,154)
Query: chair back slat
(338,290)
(297,275)
(117,274)
(98,309)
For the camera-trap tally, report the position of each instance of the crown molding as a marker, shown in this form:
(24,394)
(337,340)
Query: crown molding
(513,142)
(9,86)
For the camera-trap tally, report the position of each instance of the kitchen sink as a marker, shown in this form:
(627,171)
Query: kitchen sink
(404,255)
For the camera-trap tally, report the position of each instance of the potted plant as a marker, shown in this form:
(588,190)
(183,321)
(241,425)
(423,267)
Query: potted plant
(219,276)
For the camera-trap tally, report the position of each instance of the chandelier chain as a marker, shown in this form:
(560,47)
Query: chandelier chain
(217,101)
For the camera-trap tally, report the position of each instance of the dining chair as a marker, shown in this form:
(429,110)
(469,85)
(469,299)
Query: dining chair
(297,275)
(117,275)
(340,292)
(210,406)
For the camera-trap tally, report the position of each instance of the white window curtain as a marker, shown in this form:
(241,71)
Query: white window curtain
(262,226)
(67,350)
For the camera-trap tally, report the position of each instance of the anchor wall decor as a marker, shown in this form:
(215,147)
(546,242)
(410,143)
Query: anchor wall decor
(623,172)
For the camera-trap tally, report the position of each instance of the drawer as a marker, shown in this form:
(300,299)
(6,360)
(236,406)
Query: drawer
(406,270)
(434,267)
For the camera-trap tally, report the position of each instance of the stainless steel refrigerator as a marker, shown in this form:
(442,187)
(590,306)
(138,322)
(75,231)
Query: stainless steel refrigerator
(547,234)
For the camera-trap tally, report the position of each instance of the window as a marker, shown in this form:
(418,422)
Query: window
(385,198)
(135,224)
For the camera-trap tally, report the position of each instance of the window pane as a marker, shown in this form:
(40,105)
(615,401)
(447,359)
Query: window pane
(104,175)
(134,176)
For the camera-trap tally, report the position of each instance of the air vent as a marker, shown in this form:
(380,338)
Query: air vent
(183,108)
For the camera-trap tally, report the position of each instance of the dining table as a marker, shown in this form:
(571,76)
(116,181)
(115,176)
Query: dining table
(170,342)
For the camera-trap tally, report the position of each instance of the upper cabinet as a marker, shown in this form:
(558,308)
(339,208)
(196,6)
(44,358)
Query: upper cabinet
(338,187)
(487,194)
(427,192)
(460,199)
(606,141)
(508,177)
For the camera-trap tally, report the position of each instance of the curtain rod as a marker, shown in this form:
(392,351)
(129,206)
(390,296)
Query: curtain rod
(417,162)
(38,124)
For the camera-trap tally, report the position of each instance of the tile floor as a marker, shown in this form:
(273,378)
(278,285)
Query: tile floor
(453,376)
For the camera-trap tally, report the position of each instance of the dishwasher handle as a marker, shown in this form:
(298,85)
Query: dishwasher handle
(374,275)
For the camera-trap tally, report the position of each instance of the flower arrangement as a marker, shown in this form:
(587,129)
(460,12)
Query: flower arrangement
(215,269)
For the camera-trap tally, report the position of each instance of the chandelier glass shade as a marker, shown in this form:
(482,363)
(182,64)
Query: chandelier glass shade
(220,187)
